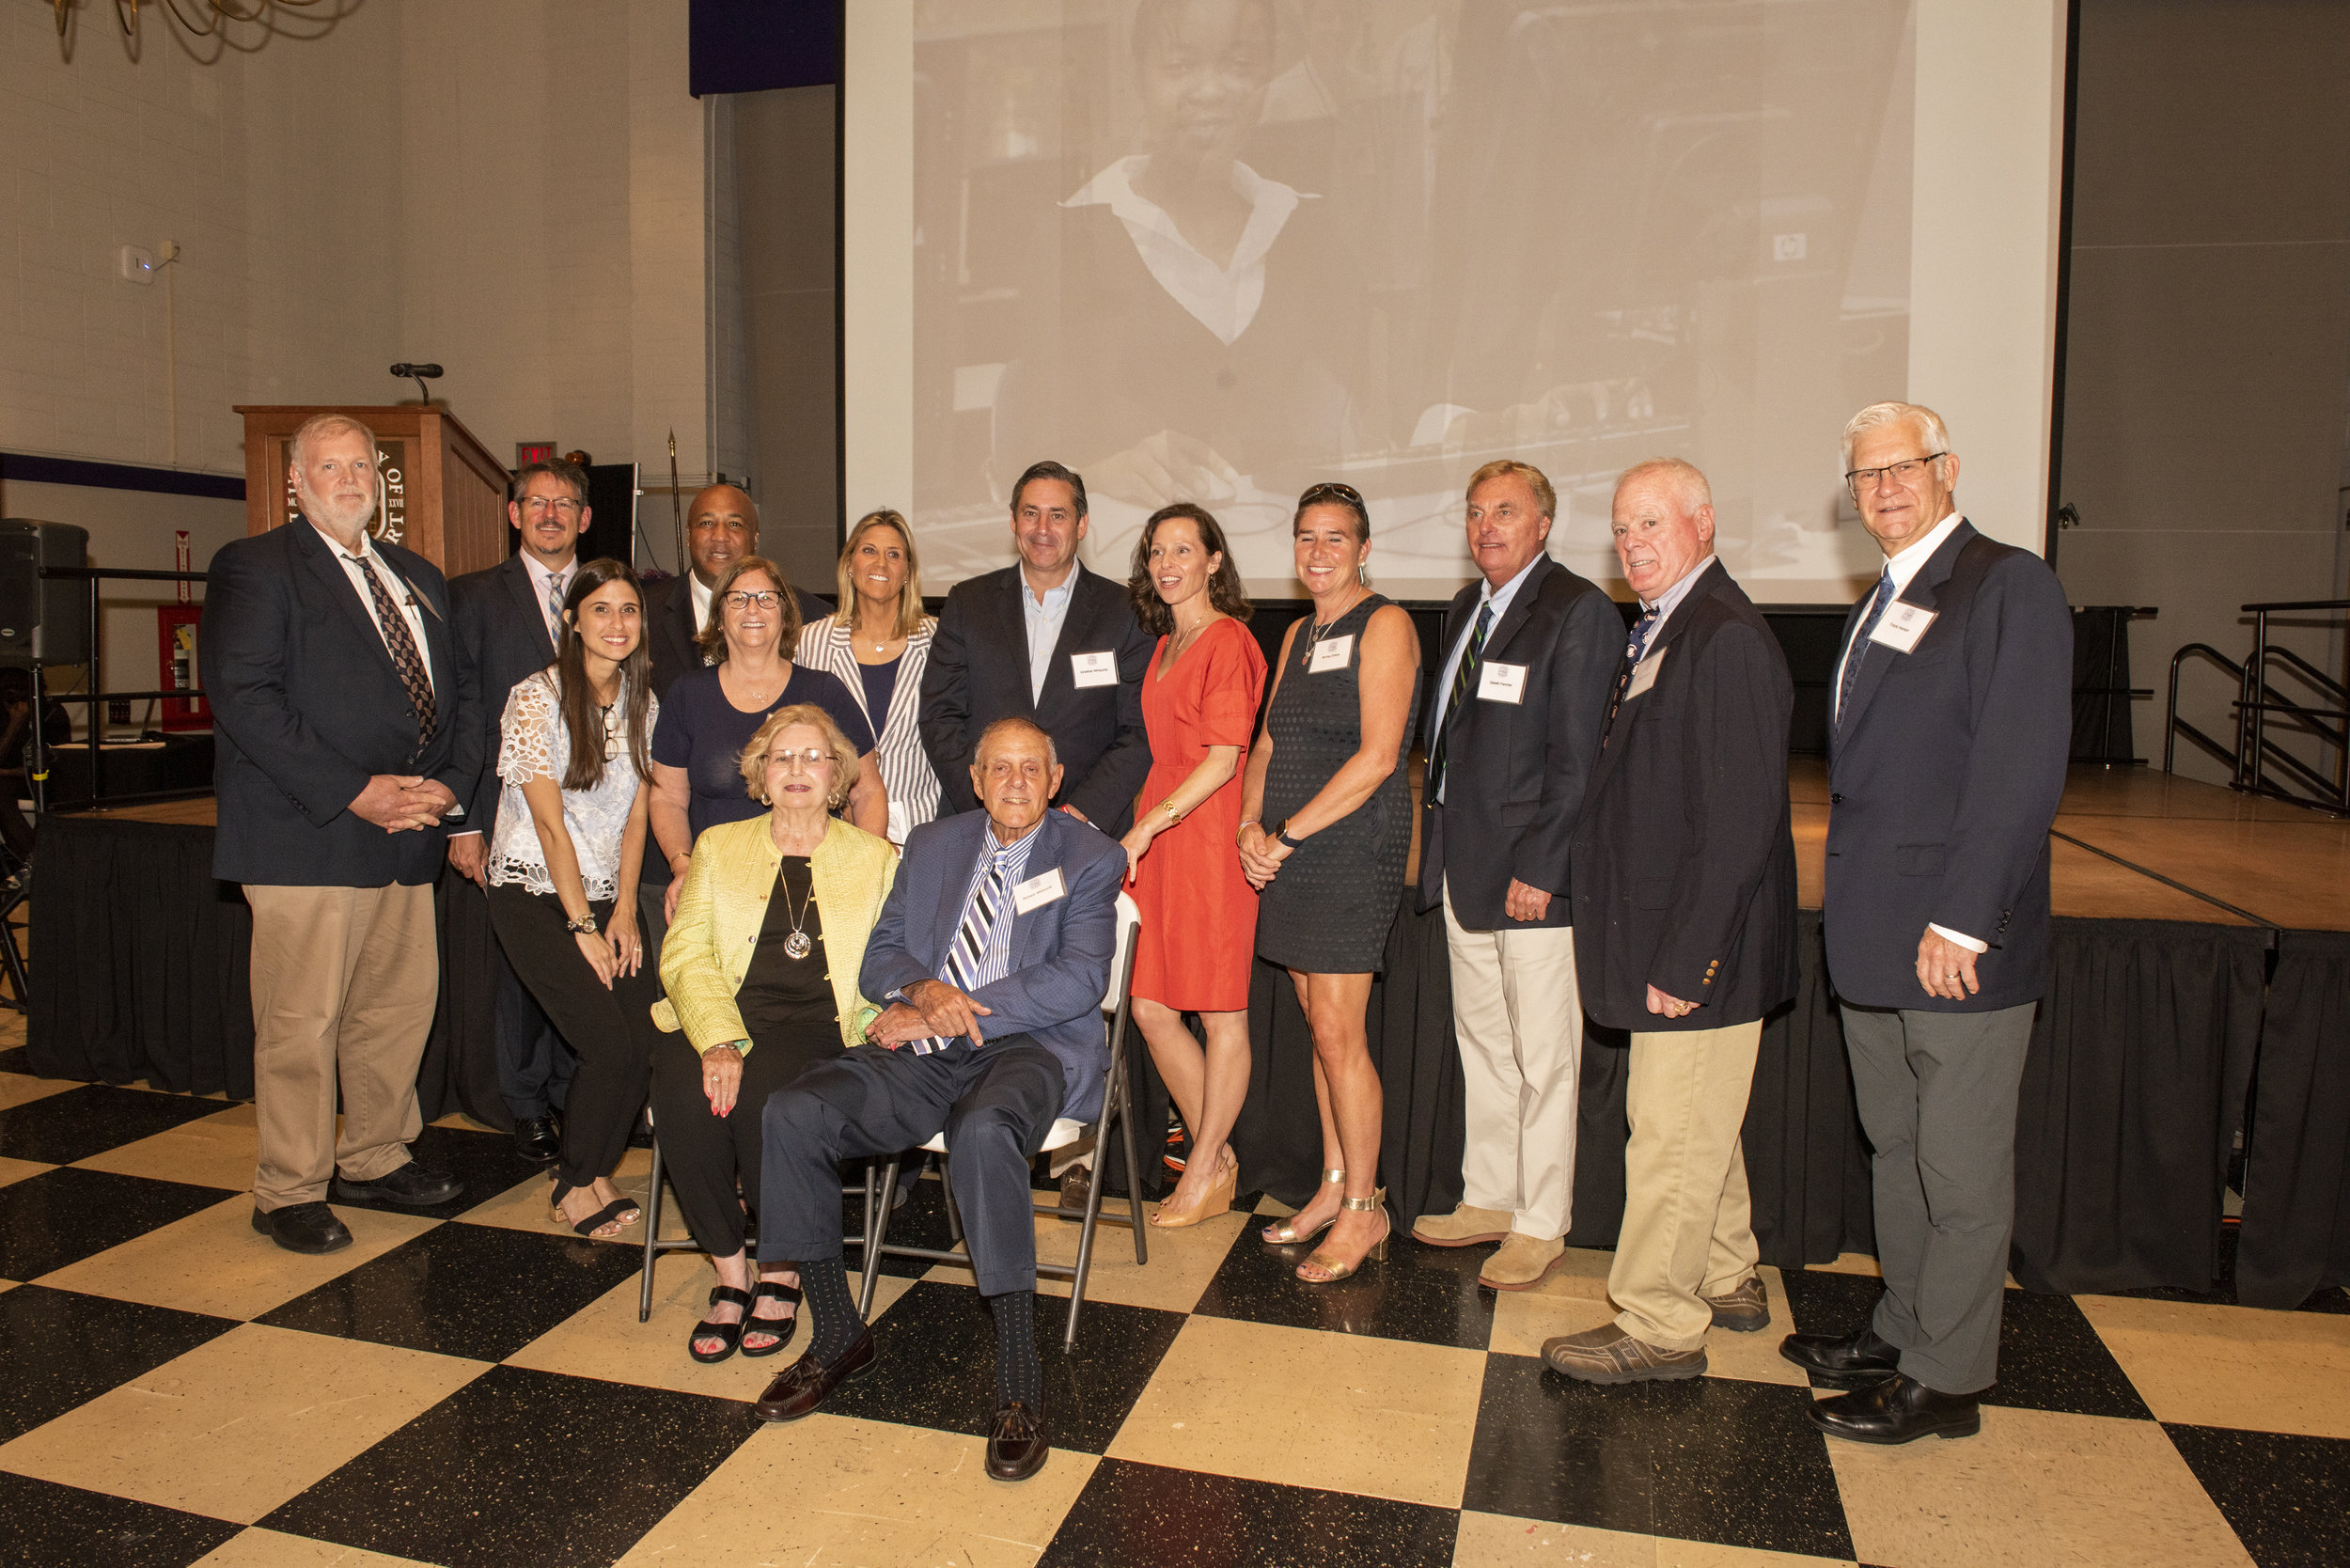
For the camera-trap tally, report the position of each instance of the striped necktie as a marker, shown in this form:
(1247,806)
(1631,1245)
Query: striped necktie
(555,611)
(1434,784)
(402,645)
(1642,630)
(968,951)
(1877,602)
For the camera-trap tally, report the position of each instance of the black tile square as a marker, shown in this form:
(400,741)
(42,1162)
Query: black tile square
(2050,1357)
(524,1469)
(1427,1294)
(74,1123)
(2286,1496)
(476,1291)
(17,1059)
(1149,1514)
(1705,1459)
(937,1365)
(485,1162)
(58,1349)
(47,1523)
(64,1215)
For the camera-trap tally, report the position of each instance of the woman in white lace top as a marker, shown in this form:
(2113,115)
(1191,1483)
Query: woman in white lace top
(573,756)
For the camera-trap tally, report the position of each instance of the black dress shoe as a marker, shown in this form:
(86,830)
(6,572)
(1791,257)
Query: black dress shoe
(411,1186)
(1898,1410)
(303,1228)
(804,1384)
(1016,1444)
(1075,1184)
(538,1138)
(1843,1360)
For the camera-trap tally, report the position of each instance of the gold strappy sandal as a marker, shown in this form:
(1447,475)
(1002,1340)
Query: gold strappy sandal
(1286,1233)
(1334,1272)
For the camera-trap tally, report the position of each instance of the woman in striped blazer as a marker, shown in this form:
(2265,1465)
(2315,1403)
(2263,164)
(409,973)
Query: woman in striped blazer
(877,645)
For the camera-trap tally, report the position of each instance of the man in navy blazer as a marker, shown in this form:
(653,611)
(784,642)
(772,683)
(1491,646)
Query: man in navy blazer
(343,716)
(991,951)
(1952,720)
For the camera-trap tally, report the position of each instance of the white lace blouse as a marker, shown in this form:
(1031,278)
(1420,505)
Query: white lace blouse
(533,744)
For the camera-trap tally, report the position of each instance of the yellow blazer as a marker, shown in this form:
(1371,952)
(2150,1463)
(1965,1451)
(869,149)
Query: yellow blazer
(724,903)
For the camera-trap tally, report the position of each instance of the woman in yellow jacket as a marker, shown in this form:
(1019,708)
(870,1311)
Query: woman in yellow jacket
(762,966)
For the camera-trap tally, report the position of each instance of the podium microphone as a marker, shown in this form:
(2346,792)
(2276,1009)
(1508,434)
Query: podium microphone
(420,374)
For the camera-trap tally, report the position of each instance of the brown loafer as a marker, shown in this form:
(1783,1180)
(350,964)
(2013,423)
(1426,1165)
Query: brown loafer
(1744,1310)
(1016,1444)
(804,1384)
(1075,1184)
(1609,1355)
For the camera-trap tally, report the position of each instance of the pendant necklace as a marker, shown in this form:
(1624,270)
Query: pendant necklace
(797,944)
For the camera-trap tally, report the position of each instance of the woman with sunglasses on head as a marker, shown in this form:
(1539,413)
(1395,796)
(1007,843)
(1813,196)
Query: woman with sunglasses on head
(712,712)
(562,872)
(877,645)
(1325,829)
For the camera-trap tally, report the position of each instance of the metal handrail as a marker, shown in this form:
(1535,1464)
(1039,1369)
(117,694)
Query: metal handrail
(2174,726)
(2254,747)
(2310,673)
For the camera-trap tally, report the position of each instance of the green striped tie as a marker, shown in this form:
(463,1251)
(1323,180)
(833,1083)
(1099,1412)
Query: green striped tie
(1461,681)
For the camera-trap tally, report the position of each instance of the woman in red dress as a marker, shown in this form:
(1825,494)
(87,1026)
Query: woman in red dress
(1199,912)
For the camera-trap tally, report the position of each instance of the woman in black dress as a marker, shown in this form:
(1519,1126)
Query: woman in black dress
(1325,828)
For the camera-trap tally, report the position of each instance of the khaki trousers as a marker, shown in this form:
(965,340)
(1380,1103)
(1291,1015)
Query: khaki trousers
(344,980)
(1518,1015)
(1688,1224)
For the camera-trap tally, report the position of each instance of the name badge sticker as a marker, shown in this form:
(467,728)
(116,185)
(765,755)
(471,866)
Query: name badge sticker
(1093,670)
(1900,627)
(1644,674)
(1331,654)
(1501,683)
(1038,891)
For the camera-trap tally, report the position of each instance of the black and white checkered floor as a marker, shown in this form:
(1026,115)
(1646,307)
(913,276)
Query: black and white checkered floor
(473,1388)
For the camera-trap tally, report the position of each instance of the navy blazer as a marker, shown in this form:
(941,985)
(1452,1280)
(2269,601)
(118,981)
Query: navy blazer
(1944,774)
(502,631)
(1062,951)
(306,707)
(978,673)
(1684,857)
(1514,772)
(670,631)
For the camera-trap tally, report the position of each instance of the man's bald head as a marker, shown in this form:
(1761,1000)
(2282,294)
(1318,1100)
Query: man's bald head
(721,527)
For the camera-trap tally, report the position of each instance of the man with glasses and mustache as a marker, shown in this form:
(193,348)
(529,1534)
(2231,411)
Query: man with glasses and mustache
(345,721)
(1953,718)
(509,621)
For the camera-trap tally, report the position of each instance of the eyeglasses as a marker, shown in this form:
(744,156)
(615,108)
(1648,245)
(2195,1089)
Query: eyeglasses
(1902,472)
(799,761)
(561,506)
(766,599)
(1331,491)
(611,732)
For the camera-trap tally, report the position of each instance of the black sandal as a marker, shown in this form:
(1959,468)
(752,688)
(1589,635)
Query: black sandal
(609,1214)
(731,1332)
(782,1328)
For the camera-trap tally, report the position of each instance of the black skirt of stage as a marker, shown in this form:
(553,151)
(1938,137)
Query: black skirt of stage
(2153,1037)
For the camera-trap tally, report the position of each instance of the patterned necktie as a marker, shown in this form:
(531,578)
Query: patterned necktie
(1434,784)
(970,948)
(1642,630)
(555,611)
(402,645)
(1877,602)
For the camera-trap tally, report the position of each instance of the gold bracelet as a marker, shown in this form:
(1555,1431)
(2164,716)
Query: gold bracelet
(1172,815)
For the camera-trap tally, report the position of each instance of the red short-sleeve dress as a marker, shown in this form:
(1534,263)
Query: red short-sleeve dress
(1198,913)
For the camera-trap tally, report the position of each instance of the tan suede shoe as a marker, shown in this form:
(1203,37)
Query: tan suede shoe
(1521,1262)
(1463,1226)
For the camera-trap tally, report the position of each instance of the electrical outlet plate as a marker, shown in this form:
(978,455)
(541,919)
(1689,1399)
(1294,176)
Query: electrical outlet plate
(138,264)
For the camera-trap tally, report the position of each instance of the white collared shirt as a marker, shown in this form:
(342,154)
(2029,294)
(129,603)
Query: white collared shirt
(1222,299)
(540,577)
(402,595)
(1498,600)
(1670,600)
(1043,619)
(700,595)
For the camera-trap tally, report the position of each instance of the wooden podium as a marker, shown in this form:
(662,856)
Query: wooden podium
(444,493)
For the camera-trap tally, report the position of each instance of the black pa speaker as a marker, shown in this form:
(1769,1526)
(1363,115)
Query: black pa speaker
(43,622)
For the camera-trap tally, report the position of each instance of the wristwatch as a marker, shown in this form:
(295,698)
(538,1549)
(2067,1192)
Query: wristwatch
(585,925)
(1283,833)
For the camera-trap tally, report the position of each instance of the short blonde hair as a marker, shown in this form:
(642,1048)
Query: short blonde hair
(844,757)
(1930,426)
(910,617)
(711,639)
(325,424)
(1536,480)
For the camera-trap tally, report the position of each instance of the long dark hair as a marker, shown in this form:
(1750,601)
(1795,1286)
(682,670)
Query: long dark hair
(1224,586)
(582,715)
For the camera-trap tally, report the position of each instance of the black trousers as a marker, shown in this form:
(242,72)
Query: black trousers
(703,1154)
(995,1104)
(535,1067)
(611,1031)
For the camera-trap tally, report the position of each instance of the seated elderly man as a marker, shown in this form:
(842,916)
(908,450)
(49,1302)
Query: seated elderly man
(992,950)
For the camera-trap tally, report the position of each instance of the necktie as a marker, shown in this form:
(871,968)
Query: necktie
(1642,630)
(1462,679)
(402,645)
(1877,602)
(970,948)
(554,612)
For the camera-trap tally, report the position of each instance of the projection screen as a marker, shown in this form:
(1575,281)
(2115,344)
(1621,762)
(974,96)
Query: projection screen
(1218,250)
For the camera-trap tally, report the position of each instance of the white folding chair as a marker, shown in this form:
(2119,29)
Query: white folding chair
(1117,1108)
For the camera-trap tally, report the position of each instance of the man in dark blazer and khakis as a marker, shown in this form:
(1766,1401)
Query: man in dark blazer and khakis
(1685,927)
(1530,664)
(1046,640)
(343,715)
(1947,740)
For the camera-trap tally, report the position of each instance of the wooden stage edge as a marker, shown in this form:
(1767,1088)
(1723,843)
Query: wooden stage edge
(2129,844)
